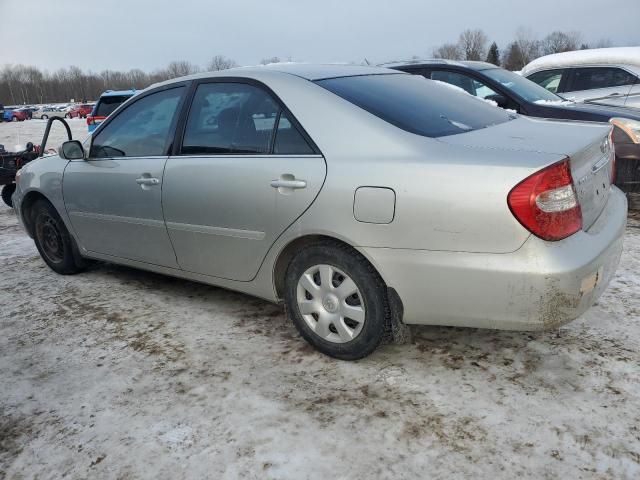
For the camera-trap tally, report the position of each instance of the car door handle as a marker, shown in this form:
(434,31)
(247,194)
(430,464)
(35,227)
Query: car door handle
(147,181)
(282,183)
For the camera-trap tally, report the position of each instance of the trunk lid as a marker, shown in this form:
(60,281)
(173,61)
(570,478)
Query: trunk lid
(585,143)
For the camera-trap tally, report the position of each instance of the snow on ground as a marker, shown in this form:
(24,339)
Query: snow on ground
(19,133)
(119,373)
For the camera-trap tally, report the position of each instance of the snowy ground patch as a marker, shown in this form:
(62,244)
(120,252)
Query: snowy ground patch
(118,373)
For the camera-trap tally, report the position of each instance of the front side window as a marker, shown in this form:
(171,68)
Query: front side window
(238,118)
(549,79)
(470,85)
(601,77)
(416,104)
(142,129)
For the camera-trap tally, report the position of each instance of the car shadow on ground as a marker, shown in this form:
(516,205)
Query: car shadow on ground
(452,347)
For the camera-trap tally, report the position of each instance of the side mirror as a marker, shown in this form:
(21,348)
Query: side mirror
(72,150)
(501,100)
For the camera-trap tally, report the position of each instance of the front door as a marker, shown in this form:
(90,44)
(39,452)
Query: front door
(244,173)
(114,198)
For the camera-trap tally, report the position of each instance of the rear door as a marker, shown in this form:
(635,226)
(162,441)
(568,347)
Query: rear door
(114,197)
(609,84)
(244,172)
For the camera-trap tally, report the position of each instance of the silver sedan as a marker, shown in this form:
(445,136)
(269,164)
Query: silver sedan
(363,198)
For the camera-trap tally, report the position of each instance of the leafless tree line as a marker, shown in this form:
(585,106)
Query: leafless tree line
(472,45)
(23,84)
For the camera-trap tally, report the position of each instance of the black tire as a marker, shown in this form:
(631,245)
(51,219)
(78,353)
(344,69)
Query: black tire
(67,115)
(7,191)
(56,246)
(373,295)
(44,117)
(15,119)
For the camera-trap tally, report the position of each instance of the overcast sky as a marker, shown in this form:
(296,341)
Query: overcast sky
(147,34)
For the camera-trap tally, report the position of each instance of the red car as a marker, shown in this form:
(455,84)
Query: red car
(18,114)
(81,111)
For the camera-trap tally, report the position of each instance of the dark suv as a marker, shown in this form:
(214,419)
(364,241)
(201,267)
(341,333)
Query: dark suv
(514,92)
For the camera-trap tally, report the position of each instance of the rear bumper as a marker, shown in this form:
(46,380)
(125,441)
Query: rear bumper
(541,285)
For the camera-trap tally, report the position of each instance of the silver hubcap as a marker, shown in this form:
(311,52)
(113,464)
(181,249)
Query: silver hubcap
(330,303)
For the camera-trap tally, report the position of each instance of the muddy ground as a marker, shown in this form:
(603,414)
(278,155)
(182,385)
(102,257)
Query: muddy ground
(123,374)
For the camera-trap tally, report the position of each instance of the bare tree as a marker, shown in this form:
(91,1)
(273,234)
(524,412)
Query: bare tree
(220,62)
(448,51)
(603,43)
(523,50)
(512,57)
(558,41)
(267,61)
(473,44)
(181,68)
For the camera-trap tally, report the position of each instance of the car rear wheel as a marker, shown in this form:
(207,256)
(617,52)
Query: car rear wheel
(14,118)
(337,301)
(44,117)
(7,191)
(56,246)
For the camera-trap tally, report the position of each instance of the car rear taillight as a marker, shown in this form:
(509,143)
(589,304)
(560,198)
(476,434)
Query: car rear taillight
(89,120)
(546,203)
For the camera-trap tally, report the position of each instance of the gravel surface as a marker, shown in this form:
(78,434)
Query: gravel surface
(118,373)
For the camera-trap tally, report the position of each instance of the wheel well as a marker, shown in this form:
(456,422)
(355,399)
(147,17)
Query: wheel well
(399,332)
(27,203)
(285,256)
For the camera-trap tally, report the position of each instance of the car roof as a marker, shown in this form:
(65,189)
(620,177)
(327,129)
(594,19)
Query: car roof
(472,65)
(620,56)
(308,71)
(118,93)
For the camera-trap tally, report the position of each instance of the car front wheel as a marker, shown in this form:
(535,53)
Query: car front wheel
(337,301)
(53,241)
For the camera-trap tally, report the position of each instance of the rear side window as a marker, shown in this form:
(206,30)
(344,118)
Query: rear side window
(236,119)
(457,79)
(549,79)
(289,140)
(416,104)
(470,85)
(601,77)
(106,105)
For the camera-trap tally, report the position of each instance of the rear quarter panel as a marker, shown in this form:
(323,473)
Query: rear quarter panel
(448,197)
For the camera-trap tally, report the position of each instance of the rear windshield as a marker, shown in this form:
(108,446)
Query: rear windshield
(106,105)
(415,104)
